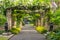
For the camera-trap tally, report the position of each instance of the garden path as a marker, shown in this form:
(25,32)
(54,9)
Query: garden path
(28,33)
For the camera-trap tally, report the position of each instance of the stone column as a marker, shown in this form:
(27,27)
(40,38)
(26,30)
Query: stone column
(39,22)
(42,18)
(21,24)
(47,23)
(8,15)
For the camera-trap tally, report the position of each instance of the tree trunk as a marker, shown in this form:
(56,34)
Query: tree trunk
(8,14)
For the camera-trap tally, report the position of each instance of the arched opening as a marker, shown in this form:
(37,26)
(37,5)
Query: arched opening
(22,17)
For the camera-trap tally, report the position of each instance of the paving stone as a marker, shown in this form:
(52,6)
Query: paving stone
(28,35)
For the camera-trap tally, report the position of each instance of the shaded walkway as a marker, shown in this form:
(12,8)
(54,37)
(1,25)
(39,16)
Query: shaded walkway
(28,35)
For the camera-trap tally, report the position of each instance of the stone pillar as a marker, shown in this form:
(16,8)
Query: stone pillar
(36,23)
(46,23)
(14,26)
(8,15)
(42,18)
(21,24)
(39,22)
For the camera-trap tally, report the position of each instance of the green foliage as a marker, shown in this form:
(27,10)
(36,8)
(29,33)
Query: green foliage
(41,29)
(2,19)
(3,38)
(53,36)
(50,36)
(22,2)
(19,15)
(56,17)
(37,15)
(14,15)
(15,30)
(2,31)
(57,30)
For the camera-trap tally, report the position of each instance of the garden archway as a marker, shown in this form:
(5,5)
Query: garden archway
(41,21)
(19,15)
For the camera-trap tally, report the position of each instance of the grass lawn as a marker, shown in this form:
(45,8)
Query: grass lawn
(3,38)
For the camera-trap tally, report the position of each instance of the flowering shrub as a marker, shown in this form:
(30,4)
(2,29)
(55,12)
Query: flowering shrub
(15,30)
(41,29)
